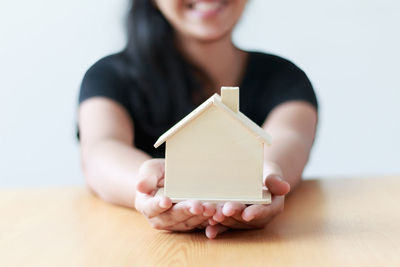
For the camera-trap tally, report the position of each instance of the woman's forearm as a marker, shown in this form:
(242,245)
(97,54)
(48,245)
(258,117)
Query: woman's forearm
(111,170)
(290,151)
(292,126)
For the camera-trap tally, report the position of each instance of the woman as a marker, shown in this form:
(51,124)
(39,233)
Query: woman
(180,52)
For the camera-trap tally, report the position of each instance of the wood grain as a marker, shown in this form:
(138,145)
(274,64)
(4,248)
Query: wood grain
(344,222)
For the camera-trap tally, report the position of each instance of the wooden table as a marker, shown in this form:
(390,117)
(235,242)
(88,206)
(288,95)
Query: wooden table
(345,222)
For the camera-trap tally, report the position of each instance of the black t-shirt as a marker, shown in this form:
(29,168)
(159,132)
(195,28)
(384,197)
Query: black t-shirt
(268,81)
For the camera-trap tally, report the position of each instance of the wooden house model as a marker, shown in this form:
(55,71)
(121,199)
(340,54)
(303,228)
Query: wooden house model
(215,154)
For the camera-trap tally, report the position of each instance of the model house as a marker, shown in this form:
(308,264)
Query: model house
(215,154)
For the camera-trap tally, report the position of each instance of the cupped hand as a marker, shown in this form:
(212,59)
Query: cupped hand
(232,215)
(159,210)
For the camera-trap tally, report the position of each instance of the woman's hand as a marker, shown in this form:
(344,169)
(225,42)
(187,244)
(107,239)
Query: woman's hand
(233,215)
(159,210)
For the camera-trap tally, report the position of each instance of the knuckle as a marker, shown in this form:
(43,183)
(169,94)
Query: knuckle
(185,210)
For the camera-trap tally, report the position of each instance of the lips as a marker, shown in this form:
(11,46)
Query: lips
(206,6)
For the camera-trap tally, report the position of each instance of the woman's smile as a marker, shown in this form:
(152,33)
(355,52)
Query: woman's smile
(204,20)
(206,8)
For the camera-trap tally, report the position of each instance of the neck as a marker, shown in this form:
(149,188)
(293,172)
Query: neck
(220,60)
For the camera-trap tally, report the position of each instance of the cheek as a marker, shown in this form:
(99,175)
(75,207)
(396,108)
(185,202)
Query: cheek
(172,10)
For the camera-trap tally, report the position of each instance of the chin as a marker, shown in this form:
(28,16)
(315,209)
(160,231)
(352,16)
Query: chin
(209,31)
(209,36)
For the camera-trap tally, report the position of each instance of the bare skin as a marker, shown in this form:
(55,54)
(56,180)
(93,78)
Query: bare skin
(124,175)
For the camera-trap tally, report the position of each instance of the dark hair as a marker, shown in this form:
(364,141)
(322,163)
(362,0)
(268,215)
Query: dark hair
(164,79)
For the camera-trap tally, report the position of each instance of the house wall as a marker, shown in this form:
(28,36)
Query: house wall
(214,157)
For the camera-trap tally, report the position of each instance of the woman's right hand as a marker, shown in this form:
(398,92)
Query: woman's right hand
(159,210)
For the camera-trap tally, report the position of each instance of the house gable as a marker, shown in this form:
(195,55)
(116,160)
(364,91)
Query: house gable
(215,100)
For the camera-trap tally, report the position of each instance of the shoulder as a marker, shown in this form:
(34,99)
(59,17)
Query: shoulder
(274,67)
(275,80)
(111,65)
(105,78)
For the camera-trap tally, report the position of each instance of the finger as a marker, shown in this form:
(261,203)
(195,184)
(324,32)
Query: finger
(209,209)
(255,212)
(230,222)
(196,208)
(150,173)
(152,206)
(189,224)
(212,222)
(219,216)
(276,185)
(232,208)
(213,230)
(180,212)
(203,225)
(161,183)
(271,168)
(273,179)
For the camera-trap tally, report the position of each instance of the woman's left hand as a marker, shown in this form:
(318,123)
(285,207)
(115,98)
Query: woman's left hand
(232,215)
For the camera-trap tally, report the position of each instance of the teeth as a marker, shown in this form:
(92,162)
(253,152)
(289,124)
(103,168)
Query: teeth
(206,6)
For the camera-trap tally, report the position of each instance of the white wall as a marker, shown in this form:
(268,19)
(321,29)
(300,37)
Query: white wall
(46,46)
(349,49)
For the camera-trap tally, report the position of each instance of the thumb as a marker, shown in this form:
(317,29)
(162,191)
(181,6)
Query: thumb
(276,185)
(151,173)
(213,230)
(273,179)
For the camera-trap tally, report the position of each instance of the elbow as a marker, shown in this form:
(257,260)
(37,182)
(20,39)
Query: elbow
(93,180)
(96,181)
(89,175)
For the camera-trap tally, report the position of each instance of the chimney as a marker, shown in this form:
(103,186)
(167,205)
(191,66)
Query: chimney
(230,97)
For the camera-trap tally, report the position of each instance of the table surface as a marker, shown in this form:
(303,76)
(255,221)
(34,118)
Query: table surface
(351,222)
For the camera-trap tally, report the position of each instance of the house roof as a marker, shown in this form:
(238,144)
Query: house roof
(215,100)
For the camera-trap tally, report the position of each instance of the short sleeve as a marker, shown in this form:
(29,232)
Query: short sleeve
(282,82)
(271,80)
(104,79)
(293,84)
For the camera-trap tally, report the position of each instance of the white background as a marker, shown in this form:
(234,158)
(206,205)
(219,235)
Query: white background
(349,49)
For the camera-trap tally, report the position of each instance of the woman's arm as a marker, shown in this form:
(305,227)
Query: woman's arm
(121,174)
(110,162)
(292,126)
